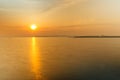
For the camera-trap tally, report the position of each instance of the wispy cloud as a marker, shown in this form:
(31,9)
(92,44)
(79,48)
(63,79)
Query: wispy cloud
(61,4)
(50,5)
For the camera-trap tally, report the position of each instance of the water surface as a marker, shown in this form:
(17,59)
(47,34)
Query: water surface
(59,59)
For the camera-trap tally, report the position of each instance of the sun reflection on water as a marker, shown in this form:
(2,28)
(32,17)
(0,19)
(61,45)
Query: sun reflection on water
(35,61)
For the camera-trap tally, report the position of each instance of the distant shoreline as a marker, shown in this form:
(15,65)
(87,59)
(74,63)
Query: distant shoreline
(96,36)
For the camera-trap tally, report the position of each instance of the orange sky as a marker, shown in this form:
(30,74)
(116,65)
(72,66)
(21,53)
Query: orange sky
(59,17)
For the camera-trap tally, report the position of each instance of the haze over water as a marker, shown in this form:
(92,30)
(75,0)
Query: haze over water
(59,59)
(84,57)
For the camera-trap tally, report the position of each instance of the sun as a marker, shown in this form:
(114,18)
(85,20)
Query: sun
(33,27)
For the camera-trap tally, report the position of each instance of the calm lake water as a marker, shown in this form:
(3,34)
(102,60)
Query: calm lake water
(59,59)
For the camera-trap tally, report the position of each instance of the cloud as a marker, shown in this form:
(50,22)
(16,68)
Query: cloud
(60,4)
(50,5)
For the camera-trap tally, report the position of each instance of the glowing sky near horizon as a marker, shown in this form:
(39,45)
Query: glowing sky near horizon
(60,17)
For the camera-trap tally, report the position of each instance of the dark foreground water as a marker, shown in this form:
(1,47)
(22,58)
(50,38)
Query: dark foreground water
(59,59)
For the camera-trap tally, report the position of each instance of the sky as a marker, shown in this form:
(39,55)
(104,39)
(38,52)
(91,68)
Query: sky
(59,17)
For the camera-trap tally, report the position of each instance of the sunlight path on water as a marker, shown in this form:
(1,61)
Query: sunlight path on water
(35,60)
